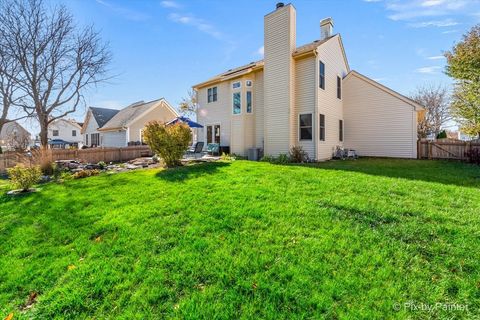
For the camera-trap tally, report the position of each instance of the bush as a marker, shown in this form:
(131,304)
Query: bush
(23,177)
(102,165)
(170,142)
(268,158)
(227,157)
(442,135)
(298,155)
(85,173)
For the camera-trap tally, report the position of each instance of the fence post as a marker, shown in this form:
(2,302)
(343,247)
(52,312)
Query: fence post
(418,149)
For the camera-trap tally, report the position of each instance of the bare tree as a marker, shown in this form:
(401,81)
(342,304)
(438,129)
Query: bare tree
(9,89)
(58,62)
(188,105)
(436,100)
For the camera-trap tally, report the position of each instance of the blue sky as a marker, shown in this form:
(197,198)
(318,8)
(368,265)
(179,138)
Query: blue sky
(160,48)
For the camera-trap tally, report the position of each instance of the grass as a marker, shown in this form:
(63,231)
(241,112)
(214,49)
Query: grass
(338,240)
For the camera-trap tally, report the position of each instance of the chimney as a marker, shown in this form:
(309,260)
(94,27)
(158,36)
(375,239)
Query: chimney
(279,44)
(326,28)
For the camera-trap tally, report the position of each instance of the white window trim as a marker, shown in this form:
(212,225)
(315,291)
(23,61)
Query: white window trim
(299,127)
(251,91)
(212,94)
(251,81)
(324,128)
(241,111)
(213,124)
(239,85)
(341,88)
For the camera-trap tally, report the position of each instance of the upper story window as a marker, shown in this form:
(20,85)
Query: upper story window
(339,87)
(248,83)
(321,127)
(55,133)
(212,94)
(237,105)
(74,133)
(236,85)
(321,81)
(306,128)
(249,102)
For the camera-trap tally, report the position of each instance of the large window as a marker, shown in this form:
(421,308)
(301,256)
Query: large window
(321,127)
(340,130)
(212,94)
(74,133)
(339,87)
(237,104)
(213,134)
(321,81)
(55,133)
(305,124)
(95,137)
(249,102)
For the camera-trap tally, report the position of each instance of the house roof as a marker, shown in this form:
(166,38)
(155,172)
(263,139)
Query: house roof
(301,51)
(417,106)
(125,116)
(103,115)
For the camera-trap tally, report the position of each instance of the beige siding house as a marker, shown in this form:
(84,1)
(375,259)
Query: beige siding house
(119,128)
(304,96)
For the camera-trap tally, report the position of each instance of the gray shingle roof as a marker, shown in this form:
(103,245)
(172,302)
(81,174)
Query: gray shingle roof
(124,116)
(102,115)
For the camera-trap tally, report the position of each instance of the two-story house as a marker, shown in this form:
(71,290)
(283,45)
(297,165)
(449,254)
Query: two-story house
(66,131)
(304,96)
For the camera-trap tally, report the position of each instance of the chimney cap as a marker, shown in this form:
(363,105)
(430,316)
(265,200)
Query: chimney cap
(326,21)
(280,5)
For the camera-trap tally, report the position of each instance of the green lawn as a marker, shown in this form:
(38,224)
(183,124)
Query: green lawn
(342,239)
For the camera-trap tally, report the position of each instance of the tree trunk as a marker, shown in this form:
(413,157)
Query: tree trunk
(44,133)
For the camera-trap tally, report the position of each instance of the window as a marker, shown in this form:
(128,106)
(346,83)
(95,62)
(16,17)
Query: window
(340,130)
(249,101)
(322,127)
(322,76)
(306,126)
(237,106)
(74,133)
(339,87)
(212,94)
(236,85)
(55,133)
(248,83)
(213,134)
(95,139)
(86,139)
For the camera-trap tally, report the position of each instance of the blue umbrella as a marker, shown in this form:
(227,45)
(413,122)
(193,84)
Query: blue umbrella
(190,123)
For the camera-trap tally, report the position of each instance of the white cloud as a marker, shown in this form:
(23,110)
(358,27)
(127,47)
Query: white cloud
(170,4)
(124,12)
(197,23)
(372,0)
(450,31)
(436,58)
(415,9)
(428,70)
(261,51)
(434,23)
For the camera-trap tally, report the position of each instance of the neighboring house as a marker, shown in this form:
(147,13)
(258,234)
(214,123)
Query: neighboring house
(119,128)
(14,137)
(68,131)
(304,96)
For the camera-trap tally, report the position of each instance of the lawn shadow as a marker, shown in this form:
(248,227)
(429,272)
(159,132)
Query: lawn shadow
(438,171)
(192,171)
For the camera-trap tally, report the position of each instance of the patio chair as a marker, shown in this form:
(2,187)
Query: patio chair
(213,148)
(195,149)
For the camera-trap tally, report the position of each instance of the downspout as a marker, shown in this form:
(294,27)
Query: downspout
(315,110)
